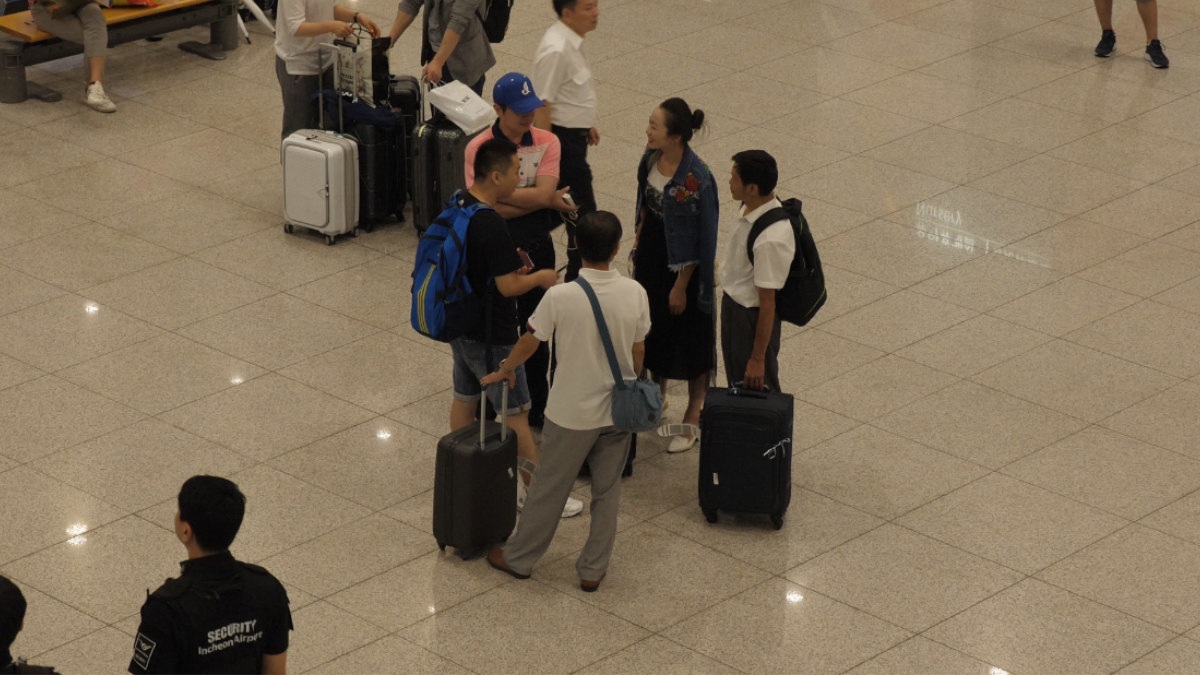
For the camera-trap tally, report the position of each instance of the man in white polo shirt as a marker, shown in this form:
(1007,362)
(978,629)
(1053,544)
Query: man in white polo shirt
(563,79)
(749,325)
(579,425)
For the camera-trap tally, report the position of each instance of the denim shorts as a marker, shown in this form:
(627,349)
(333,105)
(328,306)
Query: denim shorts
(470,365)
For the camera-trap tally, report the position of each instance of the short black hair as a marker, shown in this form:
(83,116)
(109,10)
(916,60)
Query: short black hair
(597,236)
(12,612)
(561,6)
(494,154)
(214,508)
(758,168)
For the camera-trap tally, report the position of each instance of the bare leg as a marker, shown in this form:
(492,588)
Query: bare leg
(95,68)
(1104,12)
(462,413)
(697,388)
(1149,13)
(526,447)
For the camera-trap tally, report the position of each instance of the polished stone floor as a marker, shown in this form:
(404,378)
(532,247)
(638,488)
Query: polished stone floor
(997,433)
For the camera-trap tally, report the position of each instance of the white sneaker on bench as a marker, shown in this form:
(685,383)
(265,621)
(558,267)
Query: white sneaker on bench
(98,100)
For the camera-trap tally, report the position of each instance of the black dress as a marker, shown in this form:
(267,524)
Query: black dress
(678,347)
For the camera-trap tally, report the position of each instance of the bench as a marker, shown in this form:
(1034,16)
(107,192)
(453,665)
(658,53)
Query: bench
(23,44)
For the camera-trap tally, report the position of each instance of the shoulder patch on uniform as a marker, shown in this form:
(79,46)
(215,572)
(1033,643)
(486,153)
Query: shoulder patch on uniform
(143,649)
(172,588)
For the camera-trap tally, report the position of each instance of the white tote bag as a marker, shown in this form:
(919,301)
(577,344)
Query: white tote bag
(463,106)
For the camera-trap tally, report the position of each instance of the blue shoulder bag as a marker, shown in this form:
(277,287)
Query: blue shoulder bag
(636,404)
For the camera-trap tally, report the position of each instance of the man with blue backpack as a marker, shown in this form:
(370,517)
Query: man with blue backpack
(467,277)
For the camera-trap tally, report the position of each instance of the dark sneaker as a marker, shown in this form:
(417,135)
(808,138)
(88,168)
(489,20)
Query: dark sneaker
(1155,55)
(1108,42)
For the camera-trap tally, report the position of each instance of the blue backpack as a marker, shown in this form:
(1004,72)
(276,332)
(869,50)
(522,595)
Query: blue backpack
(443,304)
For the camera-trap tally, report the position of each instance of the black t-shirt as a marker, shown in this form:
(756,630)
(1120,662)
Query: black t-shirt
(491,253)
(219,616)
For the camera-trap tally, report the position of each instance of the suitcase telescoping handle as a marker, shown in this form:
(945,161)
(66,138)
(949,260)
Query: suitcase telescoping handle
(503,412)
(321,88)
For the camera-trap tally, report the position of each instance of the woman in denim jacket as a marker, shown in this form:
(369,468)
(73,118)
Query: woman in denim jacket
(674,256)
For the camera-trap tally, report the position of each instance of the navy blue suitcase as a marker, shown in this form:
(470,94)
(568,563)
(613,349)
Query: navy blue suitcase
(746,453)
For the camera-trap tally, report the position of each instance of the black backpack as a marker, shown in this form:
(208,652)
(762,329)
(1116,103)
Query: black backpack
(804,292)
(495,19)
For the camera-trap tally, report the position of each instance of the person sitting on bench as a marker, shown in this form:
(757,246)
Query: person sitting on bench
(82,23)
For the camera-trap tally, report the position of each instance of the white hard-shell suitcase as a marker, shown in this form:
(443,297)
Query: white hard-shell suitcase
(320,179)
(320,183)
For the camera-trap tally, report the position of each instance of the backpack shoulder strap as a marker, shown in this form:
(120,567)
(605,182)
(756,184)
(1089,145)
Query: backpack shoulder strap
(602,325)
(763,222)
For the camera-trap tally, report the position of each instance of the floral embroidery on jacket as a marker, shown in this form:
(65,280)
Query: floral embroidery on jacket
(687,191)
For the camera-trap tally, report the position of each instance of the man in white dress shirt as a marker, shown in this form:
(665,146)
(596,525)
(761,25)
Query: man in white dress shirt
(749,325)
(563,80)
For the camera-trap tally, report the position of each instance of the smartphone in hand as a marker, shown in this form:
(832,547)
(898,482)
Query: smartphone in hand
(525,259)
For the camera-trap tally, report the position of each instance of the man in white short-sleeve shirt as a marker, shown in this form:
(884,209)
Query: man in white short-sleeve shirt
(563,79)
(749,325)
(579,425)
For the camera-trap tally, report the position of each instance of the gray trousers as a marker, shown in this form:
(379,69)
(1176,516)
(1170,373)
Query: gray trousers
(299,111)
(84,27)
(561,455)
(739,326)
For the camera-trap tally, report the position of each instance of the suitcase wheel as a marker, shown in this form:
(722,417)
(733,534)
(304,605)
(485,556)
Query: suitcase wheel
(287,227)
(777,520)
(364,228)
(710,515)
(329,240)
(354,232)
(441,546)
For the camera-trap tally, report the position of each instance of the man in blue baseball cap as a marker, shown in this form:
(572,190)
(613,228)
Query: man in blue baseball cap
(531,213)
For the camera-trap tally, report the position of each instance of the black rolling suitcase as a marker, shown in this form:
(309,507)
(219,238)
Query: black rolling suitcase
(405,99)
(475,486)
(746,453)
(439,152)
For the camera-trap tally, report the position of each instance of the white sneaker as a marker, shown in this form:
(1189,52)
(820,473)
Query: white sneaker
(98,100)
(573,508)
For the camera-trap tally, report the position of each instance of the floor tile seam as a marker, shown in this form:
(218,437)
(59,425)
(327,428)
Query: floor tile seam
(1005,94)
(1173,633)
(25,180)
(934,38)
(1099,424)
(84,221)
(275,369)
(405,623)
(1172,374)
(175,329)
(1091,425)
(874,418)
(973,554)
(1152,296)
(975,313)
(1161,529)
(141,415)
(36,657)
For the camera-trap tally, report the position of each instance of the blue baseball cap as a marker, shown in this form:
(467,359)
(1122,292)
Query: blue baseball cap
(515,92)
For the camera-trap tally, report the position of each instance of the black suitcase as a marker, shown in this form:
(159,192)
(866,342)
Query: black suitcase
(380,161)
(475,486)
(746,453)
(405,93)
(438,169)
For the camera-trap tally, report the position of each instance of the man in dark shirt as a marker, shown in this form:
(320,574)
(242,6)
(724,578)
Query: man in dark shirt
(12,620)
(219,615)
(498,275)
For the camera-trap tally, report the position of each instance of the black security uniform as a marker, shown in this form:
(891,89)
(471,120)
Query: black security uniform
(219,616)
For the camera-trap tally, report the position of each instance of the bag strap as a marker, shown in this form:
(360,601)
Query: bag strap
(762,222)
(604,336)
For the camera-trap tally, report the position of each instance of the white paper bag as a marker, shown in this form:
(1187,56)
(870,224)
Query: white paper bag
(463,107)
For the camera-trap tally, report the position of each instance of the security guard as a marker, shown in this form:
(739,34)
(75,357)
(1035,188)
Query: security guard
(220,615)
(12,620)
